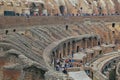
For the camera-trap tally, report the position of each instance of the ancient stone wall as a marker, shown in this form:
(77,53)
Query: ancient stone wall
(24,22)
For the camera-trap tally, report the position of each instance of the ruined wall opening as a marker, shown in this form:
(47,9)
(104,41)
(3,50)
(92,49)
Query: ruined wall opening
(73,46)
(6,32)
(12,58)
(5,47)
(66,27)
(99,43)
(14,30)
(62,9)
(68,48)
(33,73)
(100,52)
(64,48)
(36,9)
(113,25)
(89,42)
(78,48)
(83,43)
(57,54)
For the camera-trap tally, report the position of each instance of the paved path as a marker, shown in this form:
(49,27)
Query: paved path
(99,63)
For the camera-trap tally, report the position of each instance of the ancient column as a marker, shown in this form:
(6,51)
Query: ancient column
(86,43)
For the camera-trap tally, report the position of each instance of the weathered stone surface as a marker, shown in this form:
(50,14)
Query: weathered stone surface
(28,52)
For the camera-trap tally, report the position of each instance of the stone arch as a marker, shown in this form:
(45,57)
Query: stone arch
(41,7)
(57,54)
(34,73)
(6,45)
(99,43)
(14,30)
(95,42)
(12,58)
(53,58)
(113,25)
(6,32)
(64,49)
(78,48)
(68,50)
(90,42)
(62,9)
(36,8)
(60,55)
(83,43)
(53,54)
(73,46)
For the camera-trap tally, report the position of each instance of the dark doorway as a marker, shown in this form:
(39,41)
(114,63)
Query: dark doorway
(73,46)
(100,52)
(113,25)
(62,9)
(60,56)
(78,48)
(68,48)
(98,43)
(64,49)
(14,30)
(66,27)
(6,32)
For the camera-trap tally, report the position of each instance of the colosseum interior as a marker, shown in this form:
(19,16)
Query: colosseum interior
(83,46)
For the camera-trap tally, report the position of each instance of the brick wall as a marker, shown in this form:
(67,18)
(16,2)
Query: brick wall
(11,74)
(9,22)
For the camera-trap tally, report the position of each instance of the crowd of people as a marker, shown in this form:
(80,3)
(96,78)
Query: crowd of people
(63,64)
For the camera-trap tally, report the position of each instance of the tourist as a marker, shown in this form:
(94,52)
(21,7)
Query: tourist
(57,67)
(72,55)
(65,71)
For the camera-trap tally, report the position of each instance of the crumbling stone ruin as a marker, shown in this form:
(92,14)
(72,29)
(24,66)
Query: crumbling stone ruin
(60,7)
(29,50)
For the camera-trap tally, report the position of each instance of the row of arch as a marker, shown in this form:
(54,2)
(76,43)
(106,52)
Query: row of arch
(75,45)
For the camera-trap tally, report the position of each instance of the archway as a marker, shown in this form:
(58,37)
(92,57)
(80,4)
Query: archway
(64,50)
(34,73)
(62,9)
(99,43)
(90,42)
(83,43)
(68,48)
(113,25)
(41,8)
(78,48)
(73,46)
(36,8)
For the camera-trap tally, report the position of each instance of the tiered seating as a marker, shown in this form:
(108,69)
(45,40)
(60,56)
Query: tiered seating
(34,41)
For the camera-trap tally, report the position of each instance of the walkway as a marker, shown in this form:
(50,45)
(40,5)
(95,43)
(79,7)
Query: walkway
(80,75)
(99,63)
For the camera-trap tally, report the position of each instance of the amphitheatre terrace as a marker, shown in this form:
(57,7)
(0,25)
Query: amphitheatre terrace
(37,48)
